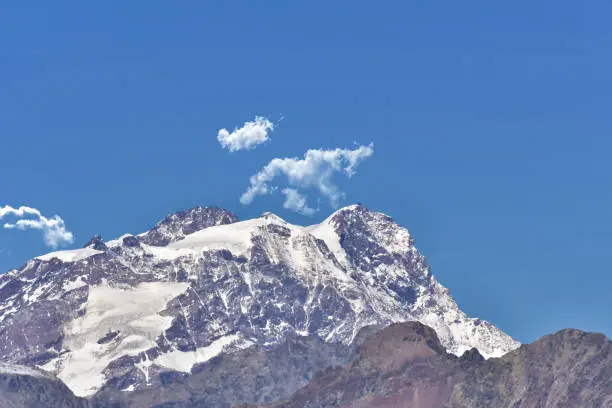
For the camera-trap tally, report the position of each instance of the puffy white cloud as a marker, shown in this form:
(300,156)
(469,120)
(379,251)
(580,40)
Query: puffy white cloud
(248,136)
(296,202)
(54,229)
(314,171)
(18,212)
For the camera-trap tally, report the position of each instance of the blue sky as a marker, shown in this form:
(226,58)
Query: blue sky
(491,128)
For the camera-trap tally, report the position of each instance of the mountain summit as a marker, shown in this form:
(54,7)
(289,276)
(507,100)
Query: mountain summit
(126,312)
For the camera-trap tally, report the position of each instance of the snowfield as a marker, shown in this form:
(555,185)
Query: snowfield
(133,312)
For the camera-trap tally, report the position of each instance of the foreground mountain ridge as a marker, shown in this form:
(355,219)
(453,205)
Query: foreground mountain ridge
(403,365)
(122,313)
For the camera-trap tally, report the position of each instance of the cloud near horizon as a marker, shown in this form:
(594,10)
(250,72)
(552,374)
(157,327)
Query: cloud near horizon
(249,136)
(314,171)
(53,229)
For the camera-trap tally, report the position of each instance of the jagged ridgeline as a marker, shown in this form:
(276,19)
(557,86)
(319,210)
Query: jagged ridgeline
(144,311)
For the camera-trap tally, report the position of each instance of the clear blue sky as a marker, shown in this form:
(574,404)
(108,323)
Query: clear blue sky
(491,125)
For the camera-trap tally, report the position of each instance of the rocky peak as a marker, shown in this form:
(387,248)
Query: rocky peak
(97,243)
(358,220)
(371,239)
(353,210)
(565,342)
(270,216)
(178,225)
(397,344)
(472,355)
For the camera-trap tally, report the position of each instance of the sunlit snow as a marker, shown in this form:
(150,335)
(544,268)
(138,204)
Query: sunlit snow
(70,255)
(133,312)
(184,360)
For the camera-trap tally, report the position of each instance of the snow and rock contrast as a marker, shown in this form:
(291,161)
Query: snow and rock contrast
(405,366)
(26,387)
(121,313)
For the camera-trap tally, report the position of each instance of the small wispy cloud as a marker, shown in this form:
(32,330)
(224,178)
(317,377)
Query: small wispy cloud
(314,171)
(295,201)
(248,136)
(53,229)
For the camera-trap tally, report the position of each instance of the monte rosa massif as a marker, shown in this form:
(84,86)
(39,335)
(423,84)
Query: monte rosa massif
(204,310)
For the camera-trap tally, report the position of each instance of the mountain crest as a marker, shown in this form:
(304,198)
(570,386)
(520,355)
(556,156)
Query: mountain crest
(270,216)
(200,283)
(397,344)
(97,243)
(180,224)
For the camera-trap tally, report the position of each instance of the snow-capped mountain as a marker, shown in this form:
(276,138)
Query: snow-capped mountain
(199,283)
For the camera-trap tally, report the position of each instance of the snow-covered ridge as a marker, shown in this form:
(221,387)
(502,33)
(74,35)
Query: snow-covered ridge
(202,283)
(235,237)
(74,255)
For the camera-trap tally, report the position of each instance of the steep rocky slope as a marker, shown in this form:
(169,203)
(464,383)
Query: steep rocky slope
(258,374)
(130,312)
(405,366)
(24,387)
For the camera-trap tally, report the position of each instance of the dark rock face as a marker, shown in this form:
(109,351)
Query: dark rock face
(254,375)
(567,369)
(96,243)
(23,387)
(177,226)
(404,366)
(108,337)
(403,361)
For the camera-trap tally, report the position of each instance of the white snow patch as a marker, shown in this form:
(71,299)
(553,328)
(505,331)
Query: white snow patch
(326,232)
(117,241)
(33,296)
(306,257)
(20,370)
(184,360)
(168,253)
(3,284)
(70,255)
(133,311)
(234,237)
(72,285)
(144,366)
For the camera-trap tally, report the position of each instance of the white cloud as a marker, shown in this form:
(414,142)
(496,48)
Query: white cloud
(296,202)
(54,229)
(18,212)
(315,171)
(248,136)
